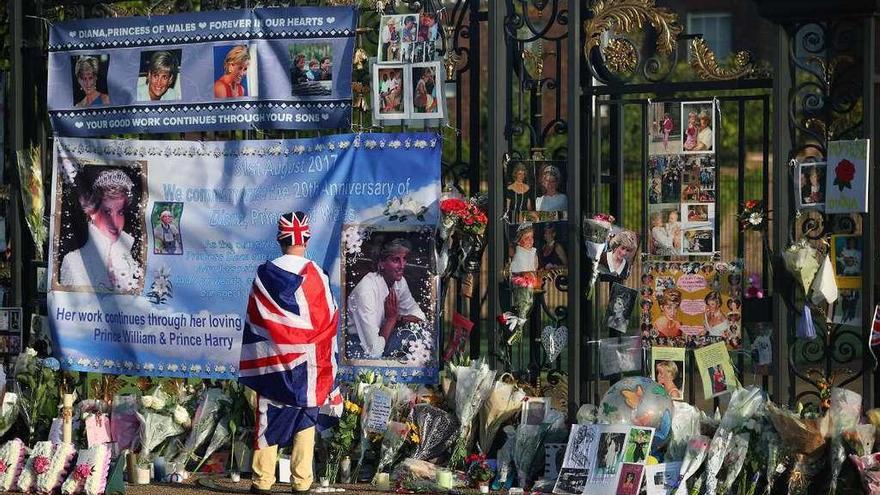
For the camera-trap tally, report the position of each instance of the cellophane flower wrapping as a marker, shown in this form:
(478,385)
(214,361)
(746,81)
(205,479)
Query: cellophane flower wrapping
(472,386)
(800,260)
(504,401)
(824,287)
(596,231)
(12,458)
(219,439)
(505,455)
(30,170)
(9,408)
(799,435)
(697,447)
(869,470)
(744,404)
(155,428)
(528,439)
(860,439)
(203,422)
(437,430)
(733,462)
(846,408)
(124,422)
(685,425)
(392,440)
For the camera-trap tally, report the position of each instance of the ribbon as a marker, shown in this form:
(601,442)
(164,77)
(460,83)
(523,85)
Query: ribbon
(805,327)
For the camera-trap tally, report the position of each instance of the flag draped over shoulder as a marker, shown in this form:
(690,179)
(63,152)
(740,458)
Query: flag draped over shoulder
(288,352)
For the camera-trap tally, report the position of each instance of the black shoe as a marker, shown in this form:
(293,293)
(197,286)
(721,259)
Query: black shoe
(260,491)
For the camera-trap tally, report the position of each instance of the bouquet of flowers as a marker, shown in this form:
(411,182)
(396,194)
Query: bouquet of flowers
(846,407)
(161,417)
(437,431)
(478,470)
(528,439)
(693,459)
(869,469)
(30,170)
(472,385)
(744,404)
(504,401)
(38,392)
(801,262)
(596,231)
(462,230)
(753,216)
(392,440)
(203,423)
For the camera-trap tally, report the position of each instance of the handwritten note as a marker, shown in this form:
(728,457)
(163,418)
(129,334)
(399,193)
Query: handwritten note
(380,411)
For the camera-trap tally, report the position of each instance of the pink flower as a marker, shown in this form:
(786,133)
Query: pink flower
(41,464)
(82,472)
(3,466)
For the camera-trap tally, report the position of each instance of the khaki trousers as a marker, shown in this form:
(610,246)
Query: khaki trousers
(301,457)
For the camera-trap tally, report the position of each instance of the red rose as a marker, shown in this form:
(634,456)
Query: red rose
(845,171)
(751,203)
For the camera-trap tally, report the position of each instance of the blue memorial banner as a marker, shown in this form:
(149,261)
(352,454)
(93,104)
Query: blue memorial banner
(268,68)
(155,244)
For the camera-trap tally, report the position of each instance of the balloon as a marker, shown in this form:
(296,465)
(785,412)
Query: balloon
(639,401)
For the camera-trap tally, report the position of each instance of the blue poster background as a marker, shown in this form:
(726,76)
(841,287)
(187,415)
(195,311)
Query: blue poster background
(225,198)
(273,37)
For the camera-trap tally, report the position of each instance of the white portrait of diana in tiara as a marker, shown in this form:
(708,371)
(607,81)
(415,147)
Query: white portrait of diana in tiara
(103,256)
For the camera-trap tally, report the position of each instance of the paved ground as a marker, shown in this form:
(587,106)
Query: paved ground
(223,484)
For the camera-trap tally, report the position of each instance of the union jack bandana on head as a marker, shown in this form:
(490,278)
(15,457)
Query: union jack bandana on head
(293,229)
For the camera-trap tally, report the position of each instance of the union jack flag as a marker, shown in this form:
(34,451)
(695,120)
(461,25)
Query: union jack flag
(296,228)
(875,327)
(288,352)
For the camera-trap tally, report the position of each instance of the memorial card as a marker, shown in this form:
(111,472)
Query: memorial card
(847,176)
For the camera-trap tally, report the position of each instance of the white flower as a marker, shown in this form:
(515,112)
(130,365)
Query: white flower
(173,367)
(181,416)
(149,367)
(30,352)
(147,401)
(219,368)
(108,363)
(128,365)
(394,144)
(420,143)
(83,362)
(370,144)
(196,368)
(756,218)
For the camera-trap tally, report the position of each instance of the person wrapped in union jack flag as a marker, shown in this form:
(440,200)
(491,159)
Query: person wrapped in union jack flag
(288,355)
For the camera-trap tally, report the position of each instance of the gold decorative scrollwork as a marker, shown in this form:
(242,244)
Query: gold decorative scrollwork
(628,16)
(620,56)
(702,60)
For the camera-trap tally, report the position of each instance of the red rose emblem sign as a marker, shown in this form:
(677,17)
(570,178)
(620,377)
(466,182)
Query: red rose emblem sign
(844,173)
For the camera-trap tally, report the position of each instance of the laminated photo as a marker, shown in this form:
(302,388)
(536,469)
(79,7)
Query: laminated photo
(716,370)
(668,369)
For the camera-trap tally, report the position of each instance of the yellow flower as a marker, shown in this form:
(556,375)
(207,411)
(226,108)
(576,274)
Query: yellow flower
(651,460)
(415,437)
(352,407)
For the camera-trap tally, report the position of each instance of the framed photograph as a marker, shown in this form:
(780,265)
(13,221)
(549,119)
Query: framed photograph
(95,202)
(534,411)
(42,279)
(391,38)
(810,185)
(10,320)
(668,369)
(386,269)
(391,92)
(698,127)
(235,71)
(665,133)
(311,69)
(519,193)
(165,223)
(89,80)
(848,308)
(426,90)
(846,254)
(551,187)
(159,76)
(616,262)
(620,307)
(10,344)
(698,240)
(39,338)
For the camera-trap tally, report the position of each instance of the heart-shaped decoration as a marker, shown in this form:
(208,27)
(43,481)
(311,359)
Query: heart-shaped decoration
(330,20)
(72,34)
(325,116)
(554,340)
(78,125)
(203,25)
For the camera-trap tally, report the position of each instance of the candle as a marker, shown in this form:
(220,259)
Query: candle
(444,479)
(383,481)
(67,415)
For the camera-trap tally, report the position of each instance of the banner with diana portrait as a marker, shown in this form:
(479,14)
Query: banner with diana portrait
(154,246)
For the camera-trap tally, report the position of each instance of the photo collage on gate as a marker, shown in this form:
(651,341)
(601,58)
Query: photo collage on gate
(681,179)
(408,74)
(535,206)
